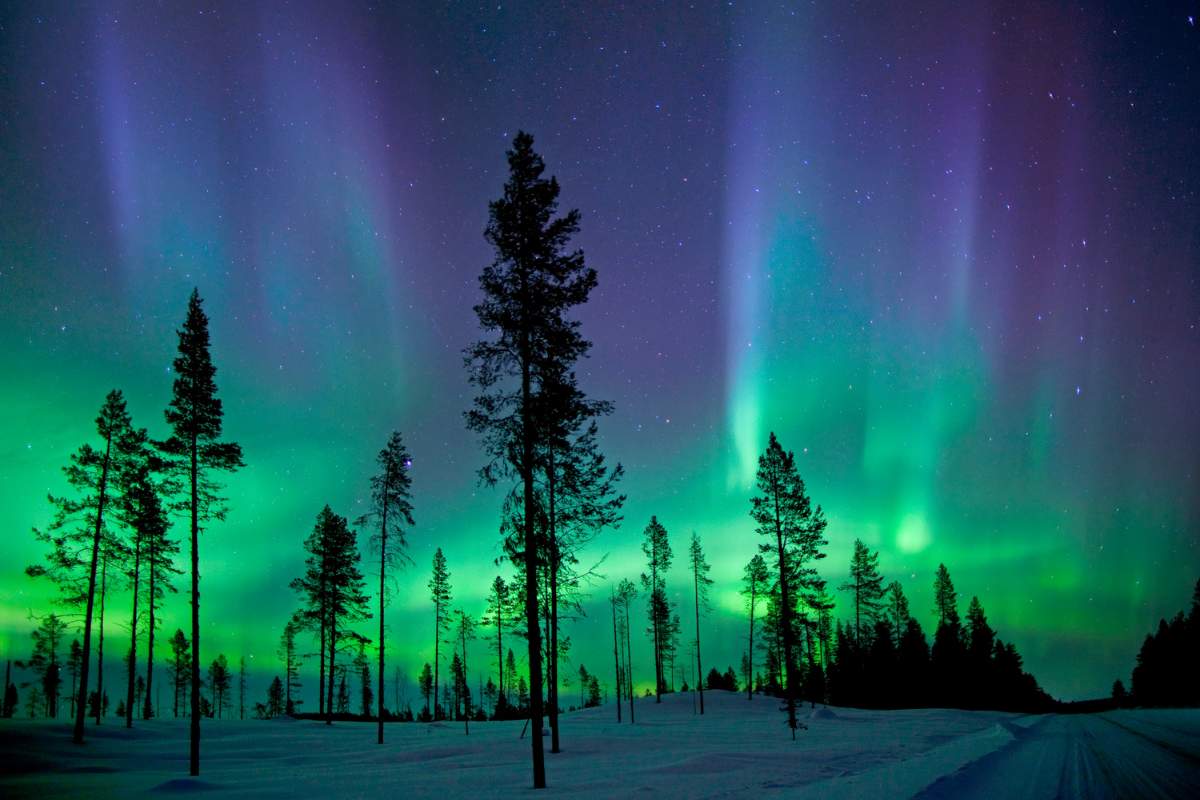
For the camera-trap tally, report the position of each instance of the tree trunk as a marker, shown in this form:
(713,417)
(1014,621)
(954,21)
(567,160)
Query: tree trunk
(332,671)
(466,699)
(531,607)
(137,566)
(750,651)
(194,752)
(553,662)
(81,706)
(148,709)
(100,643)
(616,658)
(382,573)
(629,664)
(699,665)
(437,635)
(786,617)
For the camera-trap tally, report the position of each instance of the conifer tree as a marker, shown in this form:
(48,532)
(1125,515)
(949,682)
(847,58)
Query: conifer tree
(195,415)
(897,610)
(465,629)
(291,665)
(528,290)
(179,665)
(333,589)
(981,640)
(945,598)
(795,530)
(74,659)
(275,698)
(160,551)
(657,549)
(947,653)
(219,681)
(425,684)
(45,661)
(755,580)
(78,536)
(866,585)
(627,593)
(391,509)
(439,592)
(497,614)
(617,669)
(700,584)
(143,513)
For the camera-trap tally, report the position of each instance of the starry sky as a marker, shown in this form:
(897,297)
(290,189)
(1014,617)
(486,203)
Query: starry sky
(951,256)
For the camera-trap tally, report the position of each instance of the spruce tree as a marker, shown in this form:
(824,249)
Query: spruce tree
(866,585)
(439,592)
(755,580)
(219,682)
(700,584)
(617,668)
(465,630)
(795,530)
(391,510)
(946,655)
(195,415)
(179,665)
(528,289)
(896,609)
(143,513)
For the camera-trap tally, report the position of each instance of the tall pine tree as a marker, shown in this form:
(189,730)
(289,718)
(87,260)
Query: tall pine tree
(700,584)
(195,415)
(528,289)
(657,549)
(391,510)
(440,593)
(784,515)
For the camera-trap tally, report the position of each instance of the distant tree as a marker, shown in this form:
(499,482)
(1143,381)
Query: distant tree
(74,663)
(159,552)
(45,661)
(139,691)
(332,588)
(219,681)
(866,587)
(1119,695)
(178,666)
(755,582)
(343,695)
(194,415)
(291,665)
(795,530)
(10,693)
(627,593)
(426,686)
(78,539)
(362,666)
(897,610)
(242,687)
(496,614)
(981,640)
(657,549)
(528,290)
(617,668)
(465,628)
(275,698)
(1169,659)
(440,593)
(945,598)
(700,584)
(391,509)
(948,651)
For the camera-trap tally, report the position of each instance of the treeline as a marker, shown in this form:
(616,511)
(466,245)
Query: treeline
(540,441)
(1167,664)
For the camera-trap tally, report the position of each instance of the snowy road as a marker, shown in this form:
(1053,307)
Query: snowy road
(1087,755)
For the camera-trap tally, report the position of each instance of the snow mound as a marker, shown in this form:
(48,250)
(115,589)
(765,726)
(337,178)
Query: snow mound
(184,786)
(822,713)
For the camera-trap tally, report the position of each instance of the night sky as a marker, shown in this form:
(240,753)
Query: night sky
(952,258)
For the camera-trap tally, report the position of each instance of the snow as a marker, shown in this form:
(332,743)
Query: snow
(738,748)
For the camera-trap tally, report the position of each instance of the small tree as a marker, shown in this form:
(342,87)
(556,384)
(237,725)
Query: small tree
(866,585)
(45,661)
(439,592)
(219,681)
(657,549)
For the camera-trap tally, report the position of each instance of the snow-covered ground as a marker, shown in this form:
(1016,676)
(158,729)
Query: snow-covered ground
(738,748)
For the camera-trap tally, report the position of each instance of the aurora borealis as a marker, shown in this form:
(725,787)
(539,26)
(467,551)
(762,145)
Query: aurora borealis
(952,257)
